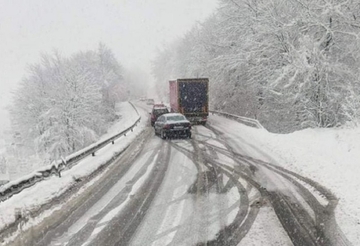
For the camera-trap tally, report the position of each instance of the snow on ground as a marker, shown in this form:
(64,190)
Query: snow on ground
(124,181)
(4,175)
(2,149)
(101,205)
(127,117)
(328,156)
(44,191)
(265,230)
(265,233)
(171,205)
(22,161)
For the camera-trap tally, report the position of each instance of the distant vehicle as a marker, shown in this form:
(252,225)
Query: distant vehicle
(159,105)
(172,125)
(190,98)
(156,112)
(150,101)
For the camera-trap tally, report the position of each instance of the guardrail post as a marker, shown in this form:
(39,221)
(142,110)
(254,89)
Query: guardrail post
(93,153)
(113,142)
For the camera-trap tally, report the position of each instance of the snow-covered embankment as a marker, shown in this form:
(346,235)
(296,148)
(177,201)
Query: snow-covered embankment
(329,156)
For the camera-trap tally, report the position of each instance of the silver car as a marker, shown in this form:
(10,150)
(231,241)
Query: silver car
(172,125)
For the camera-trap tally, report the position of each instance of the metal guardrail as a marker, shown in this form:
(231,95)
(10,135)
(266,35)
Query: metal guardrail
(14,187)
(241,119)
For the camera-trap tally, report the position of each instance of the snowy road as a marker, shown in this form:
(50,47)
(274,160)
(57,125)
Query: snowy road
(201,191)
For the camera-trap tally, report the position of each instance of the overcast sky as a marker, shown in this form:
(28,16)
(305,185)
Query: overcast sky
(133,29)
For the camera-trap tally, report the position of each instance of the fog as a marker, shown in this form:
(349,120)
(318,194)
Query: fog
(132,29)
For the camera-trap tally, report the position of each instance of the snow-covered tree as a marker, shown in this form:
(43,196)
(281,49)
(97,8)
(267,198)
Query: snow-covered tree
(66,103)
(289,63)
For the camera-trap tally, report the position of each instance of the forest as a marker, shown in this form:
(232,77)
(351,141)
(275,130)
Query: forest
(291,64)
(63,104)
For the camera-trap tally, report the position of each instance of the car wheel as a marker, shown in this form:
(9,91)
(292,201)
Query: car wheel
(162,134)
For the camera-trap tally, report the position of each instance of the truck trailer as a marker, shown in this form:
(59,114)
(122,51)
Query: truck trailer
(190,97)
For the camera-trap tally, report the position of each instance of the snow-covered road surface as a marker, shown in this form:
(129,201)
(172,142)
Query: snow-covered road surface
(208,190)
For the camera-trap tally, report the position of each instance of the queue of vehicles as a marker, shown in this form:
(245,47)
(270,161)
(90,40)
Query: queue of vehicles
(189,104)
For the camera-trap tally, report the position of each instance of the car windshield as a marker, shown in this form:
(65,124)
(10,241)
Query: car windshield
(179,122)
(175,118)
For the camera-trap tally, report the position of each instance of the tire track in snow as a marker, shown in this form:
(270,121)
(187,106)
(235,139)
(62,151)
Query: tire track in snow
(131,216)
(99,221)
(301,228)
(78,206)
(208,178)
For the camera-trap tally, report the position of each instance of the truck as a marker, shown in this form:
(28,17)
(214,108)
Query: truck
(190,97)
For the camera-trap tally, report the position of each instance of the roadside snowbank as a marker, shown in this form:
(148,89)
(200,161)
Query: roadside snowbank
(44,191)
(329,156)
